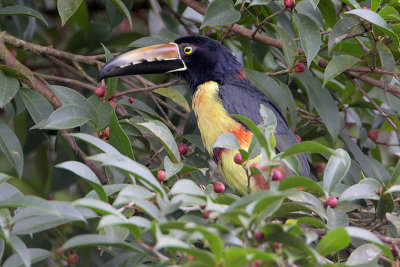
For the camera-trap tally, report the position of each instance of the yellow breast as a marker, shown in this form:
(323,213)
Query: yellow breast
(212,118)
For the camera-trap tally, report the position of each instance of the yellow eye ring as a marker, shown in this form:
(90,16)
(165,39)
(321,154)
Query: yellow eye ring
(188,50)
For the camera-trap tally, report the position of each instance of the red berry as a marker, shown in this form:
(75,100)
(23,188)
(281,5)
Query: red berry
(380,190)
(366,8)
(161,175)
(100,91)
(394,251)
(131,100)
(13,52)
(73,258)
(256,263)
(112,103)
(289,3)
(298,137)
(219,187)
(277,175)
(332,202)
(259,236)
(238,158)
(202,207)
(183,149)
(59,251)
(190,258)
(299,67)
(107,132)
(319,167)
(206,214)
(373,134)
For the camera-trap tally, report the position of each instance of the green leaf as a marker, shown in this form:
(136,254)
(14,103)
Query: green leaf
(133,224)
(71,97)
(375,5)
(66,8)
(359,191)
(126,164)
(395,220)
(288,45)
(118,137)
(186,186)
(298,181)
(227,140)
(30,202)
(219,13)
(39,108)
(92,240)
(336,169)
(328,12)
(336,218)
(66,117)
(307,147)
(11,148)
(388,13)
(174,95)
(333,241)
(377,20)
(17,245)
(164,135)
(310,37)
(364,255)
(8,88)
(111,82)
(171,168)
(337,65)
(83,171)
(342,28)
(324,103)
(35,254)
(96,142)
(121,6)
(387,60)
(385,204)
(4,177)
(363,234)
(22,10)
(395,175)
(98,206)
(352,3)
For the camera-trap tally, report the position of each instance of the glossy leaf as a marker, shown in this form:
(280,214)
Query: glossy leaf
(83,171)
(359,191)
(174,95)
(288,45)
(11,148)
(337,65)
(22,10)
(310,37)
(8,88)
(164,135)
(118,137)
(35,254)
(324,103)
(66,117)
(364,254)
(342,28)
(227,140)
(377,20)
(307,147)
(220,12)
(38,106)
(336,169)
(333,241)
(66,8)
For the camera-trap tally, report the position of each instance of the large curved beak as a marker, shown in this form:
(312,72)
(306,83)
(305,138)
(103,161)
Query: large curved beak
(147,60)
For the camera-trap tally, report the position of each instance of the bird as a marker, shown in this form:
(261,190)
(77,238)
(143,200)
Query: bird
(219,88)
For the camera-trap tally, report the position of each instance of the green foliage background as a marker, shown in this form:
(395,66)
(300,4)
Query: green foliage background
(67,188)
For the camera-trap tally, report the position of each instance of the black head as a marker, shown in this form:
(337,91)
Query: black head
(206,60)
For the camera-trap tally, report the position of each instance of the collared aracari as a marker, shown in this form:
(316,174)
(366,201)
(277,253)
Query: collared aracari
(219,88)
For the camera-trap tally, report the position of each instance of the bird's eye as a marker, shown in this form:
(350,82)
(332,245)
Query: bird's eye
(188,50)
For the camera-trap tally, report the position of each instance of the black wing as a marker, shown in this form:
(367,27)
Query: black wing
(239,96)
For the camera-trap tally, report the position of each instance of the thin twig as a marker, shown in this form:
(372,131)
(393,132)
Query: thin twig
(65,81)
(259,25)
